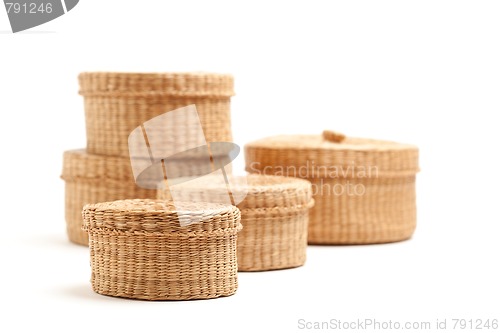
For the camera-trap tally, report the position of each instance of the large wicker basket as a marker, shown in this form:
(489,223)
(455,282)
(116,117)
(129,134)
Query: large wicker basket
(274,215)
(91,179)
(117,103)
(139,250)
(364,189)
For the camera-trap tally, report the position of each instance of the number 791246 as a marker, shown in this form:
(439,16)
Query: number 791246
(28,8)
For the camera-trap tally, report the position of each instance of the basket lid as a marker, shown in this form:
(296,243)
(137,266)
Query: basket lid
(78,165)
(248,192)
(330,155)
(195,84)
(145,215)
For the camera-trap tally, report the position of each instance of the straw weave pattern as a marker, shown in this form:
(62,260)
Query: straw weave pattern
(274,214)
(138,250)
(117,103)
(386,210)
(91,179)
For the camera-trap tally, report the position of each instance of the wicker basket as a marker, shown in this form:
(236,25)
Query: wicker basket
(364,190)
(117,103)
(138,250)
(94,178)
(274,214)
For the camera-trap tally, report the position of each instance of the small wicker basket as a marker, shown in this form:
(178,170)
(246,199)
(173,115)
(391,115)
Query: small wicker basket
(91,179)
(364,190)
(117,103)
(139,250)
(274,214)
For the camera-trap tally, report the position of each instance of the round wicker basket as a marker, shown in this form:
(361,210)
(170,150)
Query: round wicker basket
(117,103)
(139,250)
(274,214)
(364,190)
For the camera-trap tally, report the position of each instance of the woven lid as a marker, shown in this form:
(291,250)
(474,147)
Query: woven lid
(158,216)
(330,155)
(252,192)
(156,84)
(78,165)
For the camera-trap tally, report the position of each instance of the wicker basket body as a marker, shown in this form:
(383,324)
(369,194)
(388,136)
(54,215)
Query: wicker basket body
(274,215)
(91,179)
(117,103)
(364,190)
(139,250)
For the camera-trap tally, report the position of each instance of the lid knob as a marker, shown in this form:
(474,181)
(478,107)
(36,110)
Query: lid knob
(333,136)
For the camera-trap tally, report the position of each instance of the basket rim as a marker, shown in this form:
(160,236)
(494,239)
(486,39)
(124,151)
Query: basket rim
(138,207)
(307,142)
(256,191)
(256,183)
(319,156)
(82,166)
(79,165)
(188,84)
(157,74)
(153,215)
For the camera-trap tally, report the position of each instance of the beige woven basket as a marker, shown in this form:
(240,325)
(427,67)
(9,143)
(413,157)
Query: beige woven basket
(364,189)
(139,250)
(94,178)
(274,214)
(117,103)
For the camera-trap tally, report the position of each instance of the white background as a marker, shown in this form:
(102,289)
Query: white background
(422,72)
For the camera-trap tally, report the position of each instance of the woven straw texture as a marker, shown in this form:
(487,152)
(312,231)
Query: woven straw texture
(139,250)
(116,103)
(274,214)
(364,190)
(91,179)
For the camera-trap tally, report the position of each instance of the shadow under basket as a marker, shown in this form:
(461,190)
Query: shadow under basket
(274,215)
(91,179)
(364,190)
(138,249)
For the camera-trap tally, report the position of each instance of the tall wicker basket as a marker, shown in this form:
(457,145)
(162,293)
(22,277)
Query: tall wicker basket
(364,189)
(139,250)
(117,103)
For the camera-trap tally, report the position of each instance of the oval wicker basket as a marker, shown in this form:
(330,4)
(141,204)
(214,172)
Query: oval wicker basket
(139,250)
(117,103)
(91,179)
(364,189)
(274,214)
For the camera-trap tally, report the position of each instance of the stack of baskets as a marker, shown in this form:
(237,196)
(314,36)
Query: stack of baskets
(352,191)
(117,103)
